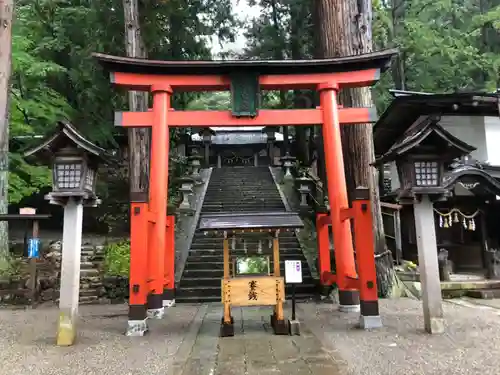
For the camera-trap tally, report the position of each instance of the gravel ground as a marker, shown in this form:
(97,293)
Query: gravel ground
(401,347)
(186,342)
(28,336)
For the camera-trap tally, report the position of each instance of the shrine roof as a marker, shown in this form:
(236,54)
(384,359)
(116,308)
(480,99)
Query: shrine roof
(376,60)
(249,221)
(407,107)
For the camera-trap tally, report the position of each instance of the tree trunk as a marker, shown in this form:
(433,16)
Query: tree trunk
(138,139)
(6,16)
(345,29)
(398,64)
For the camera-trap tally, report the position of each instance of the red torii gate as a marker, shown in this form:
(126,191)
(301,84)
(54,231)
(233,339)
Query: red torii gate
(154,274)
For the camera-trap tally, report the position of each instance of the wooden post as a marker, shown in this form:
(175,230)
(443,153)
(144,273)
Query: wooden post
(323,235)
(428,265)
(158,197)
(365,258)
(227,306)
(337,196)
(32,260)
(278,310)
(138,285)
(70,272)
(169,270)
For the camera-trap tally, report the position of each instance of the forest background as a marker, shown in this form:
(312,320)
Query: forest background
(445,46)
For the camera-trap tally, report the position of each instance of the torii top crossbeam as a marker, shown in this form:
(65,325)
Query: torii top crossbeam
(143,74)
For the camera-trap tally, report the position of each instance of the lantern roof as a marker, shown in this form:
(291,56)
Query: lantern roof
(427,137)
(66,136)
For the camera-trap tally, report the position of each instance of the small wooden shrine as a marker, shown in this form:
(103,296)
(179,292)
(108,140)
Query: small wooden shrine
(255,289)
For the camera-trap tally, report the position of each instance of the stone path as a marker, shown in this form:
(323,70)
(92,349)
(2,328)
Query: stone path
(255,349)
(186,342)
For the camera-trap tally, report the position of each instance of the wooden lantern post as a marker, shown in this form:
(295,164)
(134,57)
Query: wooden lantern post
(74,163)
(421,155)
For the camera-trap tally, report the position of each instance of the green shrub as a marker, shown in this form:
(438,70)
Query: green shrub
(117,259)
(9,266)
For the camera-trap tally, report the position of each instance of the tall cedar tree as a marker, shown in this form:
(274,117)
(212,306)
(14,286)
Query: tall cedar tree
(6,12)
(138,102)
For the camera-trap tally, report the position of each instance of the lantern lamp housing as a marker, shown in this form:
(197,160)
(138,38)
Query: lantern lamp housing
(421,157)
(74,160)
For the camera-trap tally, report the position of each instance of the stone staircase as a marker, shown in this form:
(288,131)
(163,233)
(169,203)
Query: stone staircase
(91,285)
(236,189)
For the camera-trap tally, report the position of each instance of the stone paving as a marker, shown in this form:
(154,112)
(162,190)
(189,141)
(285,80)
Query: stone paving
(186,342)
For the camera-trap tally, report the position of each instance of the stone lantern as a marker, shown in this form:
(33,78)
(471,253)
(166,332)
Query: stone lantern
(186,190)
(304,189)
(288,163)
(74,162)
(270,132)
(206,135)
(421,157)
(195,164)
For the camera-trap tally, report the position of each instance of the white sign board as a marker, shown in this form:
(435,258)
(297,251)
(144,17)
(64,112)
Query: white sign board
(293,271)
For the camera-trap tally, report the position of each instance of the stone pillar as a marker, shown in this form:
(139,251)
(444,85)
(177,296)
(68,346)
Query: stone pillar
(219,160)
(256,159)
(428,266)
(70,272)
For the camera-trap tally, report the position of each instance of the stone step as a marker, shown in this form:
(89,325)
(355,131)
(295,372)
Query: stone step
(241,209)
(90,292)
(197,273)
(483,293)
(88,272)
(88,300)
(252,237)
(222,201)
(90,285)
(216,242)
(204,266)
(283,237)
(238,206)
(218,258)
(87,265)
(292,254)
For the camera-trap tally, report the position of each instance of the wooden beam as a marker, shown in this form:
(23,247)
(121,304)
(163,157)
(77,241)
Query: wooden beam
(266,117)
(143,82)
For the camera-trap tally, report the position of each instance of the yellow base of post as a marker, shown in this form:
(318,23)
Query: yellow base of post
(66,330)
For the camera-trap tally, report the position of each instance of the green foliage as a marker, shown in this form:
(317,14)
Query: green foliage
(9,267)
(55,77)
(117,259)
(26,179)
